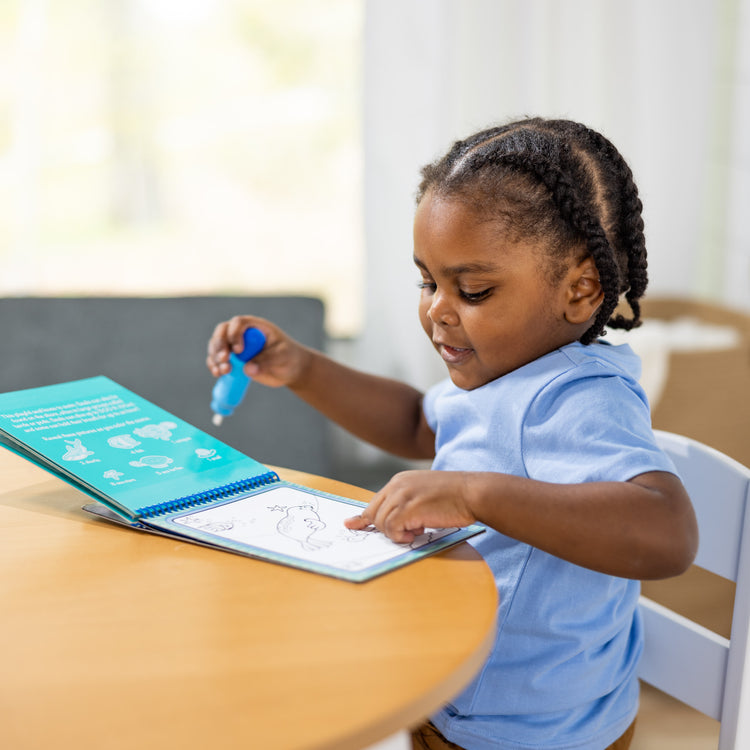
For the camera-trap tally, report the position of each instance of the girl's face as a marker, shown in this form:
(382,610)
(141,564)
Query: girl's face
(487,304)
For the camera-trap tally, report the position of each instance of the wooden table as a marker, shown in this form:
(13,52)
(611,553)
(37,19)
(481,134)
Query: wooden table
(115,639)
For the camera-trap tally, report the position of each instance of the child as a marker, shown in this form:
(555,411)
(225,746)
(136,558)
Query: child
(525,236)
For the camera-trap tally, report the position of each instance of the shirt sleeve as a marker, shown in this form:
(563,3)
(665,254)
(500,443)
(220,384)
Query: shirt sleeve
(428,403)
(588,427)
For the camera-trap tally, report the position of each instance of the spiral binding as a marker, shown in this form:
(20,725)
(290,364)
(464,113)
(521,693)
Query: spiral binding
(201,498)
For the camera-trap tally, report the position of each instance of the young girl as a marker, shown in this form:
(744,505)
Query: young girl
(526,236)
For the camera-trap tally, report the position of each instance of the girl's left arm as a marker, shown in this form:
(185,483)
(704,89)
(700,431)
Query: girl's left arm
(643,528)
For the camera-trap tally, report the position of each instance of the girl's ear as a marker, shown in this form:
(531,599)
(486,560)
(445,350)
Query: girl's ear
(584,292)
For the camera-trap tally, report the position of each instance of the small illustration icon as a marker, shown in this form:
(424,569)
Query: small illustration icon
(212,527)
(76,451)
(161,431)
(205,452)
(155,462)
(112,474)
(123,441)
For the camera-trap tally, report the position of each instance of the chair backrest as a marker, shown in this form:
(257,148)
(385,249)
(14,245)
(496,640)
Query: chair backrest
(157,348)
(681,657)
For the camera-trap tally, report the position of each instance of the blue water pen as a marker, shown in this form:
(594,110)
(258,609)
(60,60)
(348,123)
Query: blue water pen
(231,387)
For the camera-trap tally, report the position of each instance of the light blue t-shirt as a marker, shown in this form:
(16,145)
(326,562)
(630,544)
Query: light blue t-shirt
(562,672)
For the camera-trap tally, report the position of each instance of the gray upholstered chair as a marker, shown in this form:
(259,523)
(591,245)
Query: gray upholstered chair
(157,348)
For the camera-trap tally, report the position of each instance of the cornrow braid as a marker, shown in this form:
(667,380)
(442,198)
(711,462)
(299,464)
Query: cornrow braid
(561,182)
(630,227)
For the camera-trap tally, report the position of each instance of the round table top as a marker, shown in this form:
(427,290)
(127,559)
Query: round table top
(114,639)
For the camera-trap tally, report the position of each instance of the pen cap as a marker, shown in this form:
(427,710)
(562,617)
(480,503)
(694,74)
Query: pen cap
(254,343)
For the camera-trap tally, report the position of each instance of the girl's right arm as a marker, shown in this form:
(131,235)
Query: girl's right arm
(384,412)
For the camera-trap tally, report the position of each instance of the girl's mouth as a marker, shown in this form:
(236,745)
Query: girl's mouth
(453,355)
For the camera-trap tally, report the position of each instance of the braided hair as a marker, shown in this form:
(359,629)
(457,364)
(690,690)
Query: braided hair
(562,183)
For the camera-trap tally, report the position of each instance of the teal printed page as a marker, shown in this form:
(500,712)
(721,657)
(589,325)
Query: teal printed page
(118,446)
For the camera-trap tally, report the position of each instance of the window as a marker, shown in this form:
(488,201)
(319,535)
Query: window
(182,147)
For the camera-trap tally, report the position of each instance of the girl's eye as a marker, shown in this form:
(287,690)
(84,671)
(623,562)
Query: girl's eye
(476,296)
(429,285)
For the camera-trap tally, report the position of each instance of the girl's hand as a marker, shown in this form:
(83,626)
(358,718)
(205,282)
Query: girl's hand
(282,361)
(416,500)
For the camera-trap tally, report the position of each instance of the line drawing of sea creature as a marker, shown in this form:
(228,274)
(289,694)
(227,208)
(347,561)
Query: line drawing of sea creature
(161,431)
(76,451)
(354,535)
(301,523)
(123,441)
(212,527)
(155,462)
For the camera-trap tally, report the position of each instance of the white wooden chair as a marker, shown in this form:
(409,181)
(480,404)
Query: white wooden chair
(682,658)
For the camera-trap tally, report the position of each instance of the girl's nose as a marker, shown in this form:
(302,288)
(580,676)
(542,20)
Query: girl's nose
(441,312)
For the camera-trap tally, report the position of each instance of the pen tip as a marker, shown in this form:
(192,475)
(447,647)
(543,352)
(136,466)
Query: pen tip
(217,419)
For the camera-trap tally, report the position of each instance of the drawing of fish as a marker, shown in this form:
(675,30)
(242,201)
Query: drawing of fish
(300,523)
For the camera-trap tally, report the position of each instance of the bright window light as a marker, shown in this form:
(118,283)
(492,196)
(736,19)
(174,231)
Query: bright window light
(167,147)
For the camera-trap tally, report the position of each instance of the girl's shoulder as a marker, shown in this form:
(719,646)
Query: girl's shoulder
(600,355)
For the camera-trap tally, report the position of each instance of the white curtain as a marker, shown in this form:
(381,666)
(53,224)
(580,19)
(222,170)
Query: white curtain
(667,82)
(736,162)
